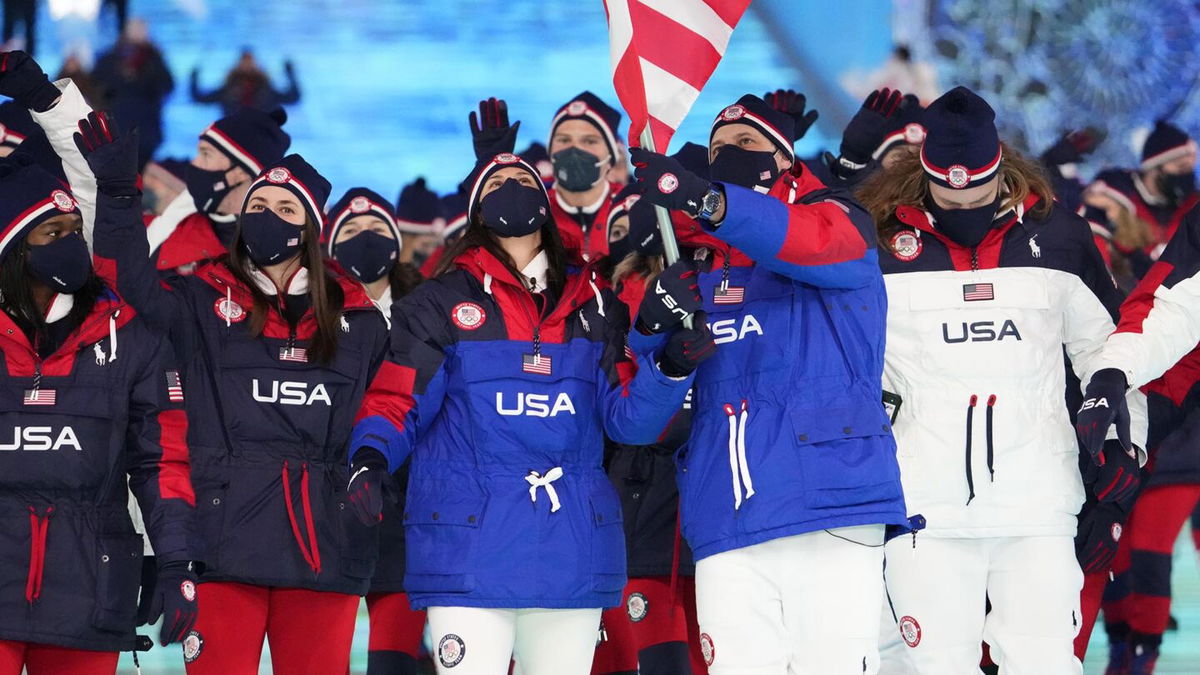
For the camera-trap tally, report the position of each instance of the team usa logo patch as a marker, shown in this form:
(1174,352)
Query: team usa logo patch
(707,650)
(451,650)
(906,246)
(228,310)
(576,108)
(914,133)
(668,183)
(505,158)
(910,630)
(62,201)
(188,590)
(468,315)
(1116,532)
(958,176)
(733,112)
(193,644)
(279,175)
(637,607)
(360,205)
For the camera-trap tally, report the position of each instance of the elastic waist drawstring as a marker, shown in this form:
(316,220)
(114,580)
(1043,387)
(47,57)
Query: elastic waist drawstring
(39,526)
(596,290)
(228,306)
(990,444)
(537,480)
(112,336)
(970,471)
(739,468)
(313,556)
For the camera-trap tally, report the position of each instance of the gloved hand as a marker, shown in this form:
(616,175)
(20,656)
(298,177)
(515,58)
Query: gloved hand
(112,157)
(792,103)
(22,80)
(1118,478)
(687,348)
(490,131)
(673,296)
(1073,146)
(1103,405)
(175,601)
(666,183)
(1100,526)
(643,229)
(290,69)
(869,126)
(368,472)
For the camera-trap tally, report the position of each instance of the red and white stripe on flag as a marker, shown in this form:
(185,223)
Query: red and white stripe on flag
(663,52)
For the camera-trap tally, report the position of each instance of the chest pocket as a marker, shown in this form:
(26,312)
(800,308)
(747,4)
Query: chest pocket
(290,404)
(511,406)
(986,325)
(750,334)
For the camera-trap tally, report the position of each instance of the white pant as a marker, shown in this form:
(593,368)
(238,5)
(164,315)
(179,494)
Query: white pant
(893,653)
(940,588)
(477,641)
(802,605)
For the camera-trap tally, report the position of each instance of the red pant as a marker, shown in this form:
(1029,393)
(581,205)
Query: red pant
(649,618)
(40,659)
(1157,518)
(1089,603)
(309,631)
(396,632)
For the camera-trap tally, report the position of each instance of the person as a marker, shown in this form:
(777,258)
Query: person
(988,282)
(247,86)
(362,236)
(785,489)
(420,220)
(95,404)
(515,366)
(886,128)
(22,12)
(198,224)
(584,150)
(454,210)
(1152,347)
(135,81)
(15,126)
(282,353)
(73,68)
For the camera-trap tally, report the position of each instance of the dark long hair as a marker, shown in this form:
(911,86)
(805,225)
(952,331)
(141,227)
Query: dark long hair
(16,296)
(324,293)
(403,278)
(477,235)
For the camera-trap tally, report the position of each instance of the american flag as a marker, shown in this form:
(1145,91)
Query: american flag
(539,365)
(296,354)
(39,397)
(732,295)
(973,292)
(174,388)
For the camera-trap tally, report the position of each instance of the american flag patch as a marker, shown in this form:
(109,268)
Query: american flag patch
(174,388)
(973,292)
(732,295)
(295,354)
(39,397)
(539,365)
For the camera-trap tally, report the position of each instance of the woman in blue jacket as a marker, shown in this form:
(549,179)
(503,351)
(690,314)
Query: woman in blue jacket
(515,366)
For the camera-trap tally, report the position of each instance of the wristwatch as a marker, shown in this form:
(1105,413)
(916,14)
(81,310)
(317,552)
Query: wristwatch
(711,202)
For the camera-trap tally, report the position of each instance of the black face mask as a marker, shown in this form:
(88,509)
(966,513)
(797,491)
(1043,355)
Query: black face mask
(208,188)
(747,168)
(514,210)
(576,170)
(1177,187)
(64,264)
(367,255)
(617,250)
(965,227)
(269,239)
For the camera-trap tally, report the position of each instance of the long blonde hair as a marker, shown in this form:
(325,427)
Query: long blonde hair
(906,184)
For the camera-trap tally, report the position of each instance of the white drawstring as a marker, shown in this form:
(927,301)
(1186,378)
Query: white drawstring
(112,336)
(596,290)
(228,306)
(487,284)
(739,468)
(537,480)
(749,484)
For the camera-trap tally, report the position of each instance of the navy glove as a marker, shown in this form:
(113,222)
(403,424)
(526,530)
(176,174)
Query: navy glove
(1099,534)
(666,183)
(1103,405)
(22,80)
(869,126)
(365,491)
(1073,146)
(175,601)
(687,348)
(1118,478)
(112,157)
(490,131)
(792,103)
(671,297)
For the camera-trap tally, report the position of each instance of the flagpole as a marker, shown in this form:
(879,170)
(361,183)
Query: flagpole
(670,246)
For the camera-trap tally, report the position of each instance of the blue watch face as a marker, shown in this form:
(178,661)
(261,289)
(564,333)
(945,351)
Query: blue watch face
(708,205)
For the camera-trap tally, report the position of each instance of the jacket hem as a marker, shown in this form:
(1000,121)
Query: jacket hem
(359,589)
(115,644)
(595,601)
(752,538)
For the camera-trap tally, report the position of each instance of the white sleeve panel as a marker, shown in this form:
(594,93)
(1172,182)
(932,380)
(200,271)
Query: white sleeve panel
(1170,330)
(60,124)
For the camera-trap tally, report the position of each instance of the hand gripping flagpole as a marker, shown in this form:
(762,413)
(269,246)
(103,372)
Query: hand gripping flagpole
(670,246)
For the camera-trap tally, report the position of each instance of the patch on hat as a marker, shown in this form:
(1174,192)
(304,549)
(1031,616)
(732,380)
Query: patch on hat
(910,630)
(914,133)
(707,650)
(906,246)
(1116,531)
(733,112)
(637,605)
(228,310)
(188,589)
(576,108)
(468,315)
(958,176)
(62,201)
(667,183)
(360,205)
(279,175)
(193,644)
(506,158)
(451,650)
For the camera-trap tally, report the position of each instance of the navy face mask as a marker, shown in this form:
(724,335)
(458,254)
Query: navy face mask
(64,264)
(966,227)
(1177,186)
(208,188)
(367,255)
(747,168)
(576,170)
(269,239)
(514,210)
